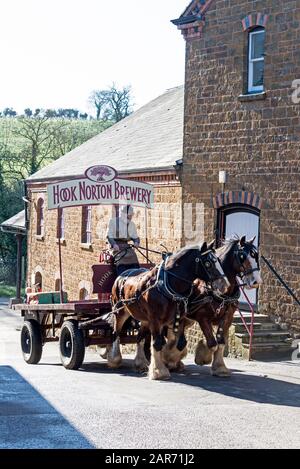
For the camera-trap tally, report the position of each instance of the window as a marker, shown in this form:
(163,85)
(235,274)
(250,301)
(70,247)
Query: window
(256,60)
(38,281)
(60,224)
(83,294)
(40,218)
(86,231)
(57,284)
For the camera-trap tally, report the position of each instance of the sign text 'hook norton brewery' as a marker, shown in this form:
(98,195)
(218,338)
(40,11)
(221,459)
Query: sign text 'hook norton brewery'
(101,185)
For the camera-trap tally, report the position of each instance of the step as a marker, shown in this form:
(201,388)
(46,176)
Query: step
(270,351)
(257,326)
(264,337)
(247,316)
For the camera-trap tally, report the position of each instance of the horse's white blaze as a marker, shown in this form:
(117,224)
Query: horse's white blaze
(256,277)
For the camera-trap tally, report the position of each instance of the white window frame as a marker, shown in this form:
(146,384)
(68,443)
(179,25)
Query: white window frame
(251,88)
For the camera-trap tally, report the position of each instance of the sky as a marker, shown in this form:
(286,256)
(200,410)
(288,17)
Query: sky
(55,52)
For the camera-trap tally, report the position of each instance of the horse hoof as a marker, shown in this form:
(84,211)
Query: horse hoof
(159,375)
(141,366)
(203,355)
(176,367)
(104,355)
(115,363)
(221,372)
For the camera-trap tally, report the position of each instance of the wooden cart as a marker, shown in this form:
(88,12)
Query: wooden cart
(75,325)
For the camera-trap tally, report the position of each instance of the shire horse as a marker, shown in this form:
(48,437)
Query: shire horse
(238,258)
(158,299)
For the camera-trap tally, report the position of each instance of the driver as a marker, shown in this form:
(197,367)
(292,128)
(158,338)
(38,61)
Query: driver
(120,231)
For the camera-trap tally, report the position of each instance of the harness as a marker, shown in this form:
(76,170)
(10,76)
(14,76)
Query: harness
(163,286)
(241,256)
(210,297)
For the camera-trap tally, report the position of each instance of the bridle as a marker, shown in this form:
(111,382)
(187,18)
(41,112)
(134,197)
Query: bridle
(208,265)
(207,260)
(241,257)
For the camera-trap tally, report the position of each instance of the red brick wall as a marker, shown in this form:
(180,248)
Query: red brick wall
(78,259)
(257,141)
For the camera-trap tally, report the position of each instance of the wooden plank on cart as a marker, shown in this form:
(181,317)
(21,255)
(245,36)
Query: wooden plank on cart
(62,307)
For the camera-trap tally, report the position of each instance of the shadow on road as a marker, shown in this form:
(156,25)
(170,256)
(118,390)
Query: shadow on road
(256,388)
(27,420)
(241,385)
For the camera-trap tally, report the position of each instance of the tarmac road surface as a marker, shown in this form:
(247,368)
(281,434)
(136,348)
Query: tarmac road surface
(46,406)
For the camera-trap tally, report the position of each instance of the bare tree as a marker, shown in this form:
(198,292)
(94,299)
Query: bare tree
(113,104)
(38,144)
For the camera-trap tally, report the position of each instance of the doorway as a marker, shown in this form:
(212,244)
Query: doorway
(242,221)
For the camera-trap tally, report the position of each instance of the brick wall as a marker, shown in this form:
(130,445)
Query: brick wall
(256,141)
(77,259)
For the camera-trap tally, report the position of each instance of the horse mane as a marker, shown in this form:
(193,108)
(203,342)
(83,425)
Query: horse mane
(179,254)
(227,245)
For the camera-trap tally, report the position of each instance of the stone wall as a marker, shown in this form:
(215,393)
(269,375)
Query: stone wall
(255,140)
(77,259)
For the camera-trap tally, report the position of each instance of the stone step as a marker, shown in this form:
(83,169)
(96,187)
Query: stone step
(262,318)
(257,326)
(264,337)
(270,351)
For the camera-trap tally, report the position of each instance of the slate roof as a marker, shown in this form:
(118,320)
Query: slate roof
(15,224)
(149,139)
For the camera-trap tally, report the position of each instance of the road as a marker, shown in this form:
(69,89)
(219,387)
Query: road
(45,406)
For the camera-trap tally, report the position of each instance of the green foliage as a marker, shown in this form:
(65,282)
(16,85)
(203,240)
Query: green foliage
(9,291)
(26,145)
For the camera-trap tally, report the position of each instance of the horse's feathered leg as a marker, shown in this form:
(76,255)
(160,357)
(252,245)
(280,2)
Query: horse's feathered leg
(176,349)
(204,352)
(114,357)
(140,362)
(218,366)
(157,368)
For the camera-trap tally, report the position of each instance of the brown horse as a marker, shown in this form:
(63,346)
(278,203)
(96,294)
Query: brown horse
(158,299)
(238,257)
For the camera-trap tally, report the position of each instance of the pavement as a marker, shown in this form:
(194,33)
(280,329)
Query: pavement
(46,406)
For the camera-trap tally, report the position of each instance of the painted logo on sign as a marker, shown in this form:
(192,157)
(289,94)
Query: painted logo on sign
(101,174)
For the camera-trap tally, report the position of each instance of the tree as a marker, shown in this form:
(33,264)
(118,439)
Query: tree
(37,145)
(28,112)
(113,104)
(9,112)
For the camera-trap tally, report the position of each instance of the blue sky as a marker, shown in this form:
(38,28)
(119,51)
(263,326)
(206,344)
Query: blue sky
(54,52)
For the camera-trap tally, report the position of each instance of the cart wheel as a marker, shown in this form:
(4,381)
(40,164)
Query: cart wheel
(31,342)
(71,345)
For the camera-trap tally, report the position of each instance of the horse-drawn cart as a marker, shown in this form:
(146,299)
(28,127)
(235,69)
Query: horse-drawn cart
(75,325)
(79,324)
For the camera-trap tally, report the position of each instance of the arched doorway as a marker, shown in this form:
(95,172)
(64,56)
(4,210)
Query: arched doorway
(239,214)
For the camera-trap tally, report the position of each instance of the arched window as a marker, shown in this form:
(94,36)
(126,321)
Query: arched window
(83,294)
(57,284)
(40,218)
(60,224)
(38,281)
(256,60)
(86,225)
